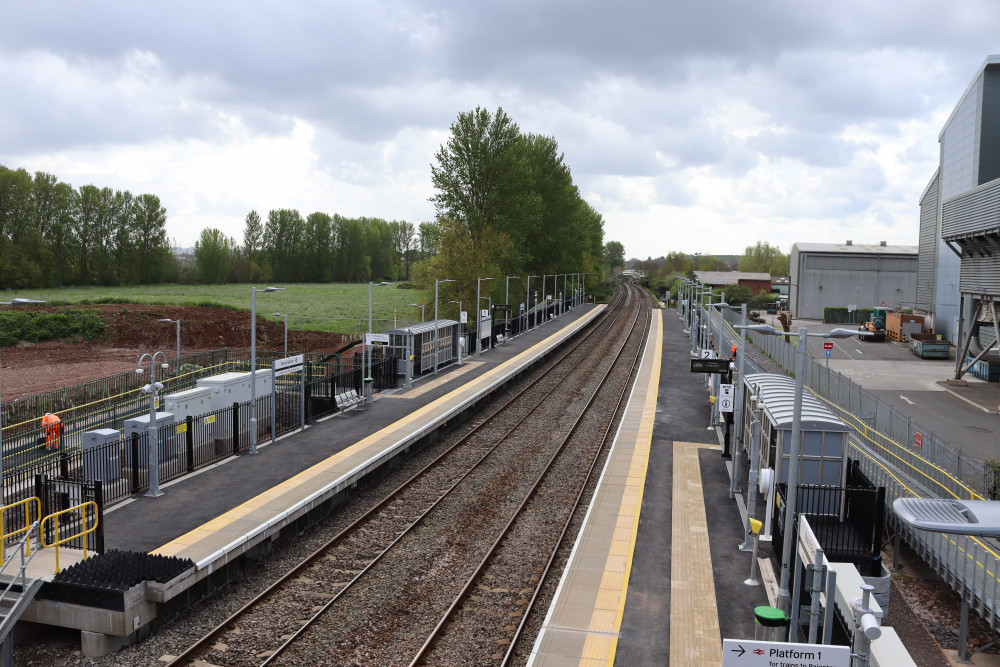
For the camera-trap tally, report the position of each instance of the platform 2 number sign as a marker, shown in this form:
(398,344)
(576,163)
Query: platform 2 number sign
(726,393)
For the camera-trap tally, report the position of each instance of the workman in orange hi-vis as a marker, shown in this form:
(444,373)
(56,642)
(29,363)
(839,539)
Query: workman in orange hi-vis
(52,426)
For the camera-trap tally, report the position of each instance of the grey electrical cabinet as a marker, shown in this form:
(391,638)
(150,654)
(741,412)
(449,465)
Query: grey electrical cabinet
(102,455)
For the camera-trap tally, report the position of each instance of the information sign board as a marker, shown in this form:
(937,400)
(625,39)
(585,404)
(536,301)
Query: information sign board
(502,307)
(288,365)
(463,317)
(484,312)
(709,365)
(828,345)
(751,653)
(726,397)
(376,339)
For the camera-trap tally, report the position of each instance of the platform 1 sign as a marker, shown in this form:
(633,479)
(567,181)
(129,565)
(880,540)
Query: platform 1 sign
(709,365)
(750,653)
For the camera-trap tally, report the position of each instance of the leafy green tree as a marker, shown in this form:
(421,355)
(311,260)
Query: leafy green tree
(212,252)
(284,240)
(253,236)
(762,257)
(319,247)
(614,254)
(150,237)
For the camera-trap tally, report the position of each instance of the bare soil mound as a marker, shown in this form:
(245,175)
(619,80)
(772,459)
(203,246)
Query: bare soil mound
(30,368)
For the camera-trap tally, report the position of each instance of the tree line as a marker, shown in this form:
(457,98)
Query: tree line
(52,234)
(287,247)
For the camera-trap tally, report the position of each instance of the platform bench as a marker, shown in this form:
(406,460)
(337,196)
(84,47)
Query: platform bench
(348,399)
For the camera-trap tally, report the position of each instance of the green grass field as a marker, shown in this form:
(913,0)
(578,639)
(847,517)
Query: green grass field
(340,308)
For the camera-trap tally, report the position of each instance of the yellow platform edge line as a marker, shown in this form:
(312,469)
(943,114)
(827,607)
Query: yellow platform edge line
(636,484)
(326,464)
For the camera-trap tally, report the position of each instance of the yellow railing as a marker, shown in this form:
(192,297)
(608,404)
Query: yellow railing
(87,510)
(26,504)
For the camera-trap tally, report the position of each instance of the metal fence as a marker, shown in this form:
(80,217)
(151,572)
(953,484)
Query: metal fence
(943,466)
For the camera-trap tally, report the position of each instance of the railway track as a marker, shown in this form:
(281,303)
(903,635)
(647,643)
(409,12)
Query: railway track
(377,590)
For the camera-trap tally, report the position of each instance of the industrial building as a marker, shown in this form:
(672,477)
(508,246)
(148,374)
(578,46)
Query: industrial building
(756,282)
(841,275)
(959,274)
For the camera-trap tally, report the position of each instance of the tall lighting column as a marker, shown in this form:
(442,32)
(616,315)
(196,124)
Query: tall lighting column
(436,283)
(285,316)
(527,303)
(506,326)
(253,363)
(12,302)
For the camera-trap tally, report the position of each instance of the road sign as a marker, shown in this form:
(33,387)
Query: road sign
(852,307)
(726,394)
(288,365)
(376,339)
(750,653)
(709,365)
(828,354)
(828,345)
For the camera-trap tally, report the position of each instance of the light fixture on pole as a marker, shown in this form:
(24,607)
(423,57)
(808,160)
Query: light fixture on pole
(459,302)
(545,302)
(506,327)
(152,389)
(436,283)
(784,599)
(253,363)
(286,329)
(479,316)
(12,302)
(177,366)
(421,307)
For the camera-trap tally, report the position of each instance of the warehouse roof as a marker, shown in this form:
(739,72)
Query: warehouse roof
(728,277)
(850,248)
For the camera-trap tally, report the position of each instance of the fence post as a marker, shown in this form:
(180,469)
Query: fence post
(135,462)
(236,428)
(64,465)
(190,441)
(99,532)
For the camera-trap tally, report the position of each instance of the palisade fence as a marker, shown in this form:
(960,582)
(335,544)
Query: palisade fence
(184,446)
(940,466)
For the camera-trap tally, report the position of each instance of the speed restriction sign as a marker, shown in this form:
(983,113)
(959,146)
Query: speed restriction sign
(726,398)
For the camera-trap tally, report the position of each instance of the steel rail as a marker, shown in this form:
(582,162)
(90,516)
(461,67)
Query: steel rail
(204,642)
(474,577)
(327,605)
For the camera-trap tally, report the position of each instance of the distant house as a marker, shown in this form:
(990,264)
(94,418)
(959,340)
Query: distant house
(756,282)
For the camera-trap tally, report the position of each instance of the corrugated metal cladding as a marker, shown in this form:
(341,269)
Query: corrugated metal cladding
(862,280)
(980,275)
(975,212)
(927,259)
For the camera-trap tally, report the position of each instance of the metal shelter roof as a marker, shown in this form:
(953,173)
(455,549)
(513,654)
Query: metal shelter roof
(778,393)
(422,327)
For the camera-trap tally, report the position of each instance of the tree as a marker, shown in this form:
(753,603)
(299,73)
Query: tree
(614,254)
(319,247)
(152,248)
(762,257)
(211,255)
(253,236)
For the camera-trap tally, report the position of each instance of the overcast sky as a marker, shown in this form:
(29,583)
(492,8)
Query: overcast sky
(692,127)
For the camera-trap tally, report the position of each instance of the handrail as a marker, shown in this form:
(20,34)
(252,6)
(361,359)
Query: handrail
(4,535)
(23,546)
(54,518)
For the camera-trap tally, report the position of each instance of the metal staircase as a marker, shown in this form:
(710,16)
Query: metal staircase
(17,594)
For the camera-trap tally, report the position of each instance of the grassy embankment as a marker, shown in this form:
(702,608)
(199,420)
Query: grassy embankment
(340,308)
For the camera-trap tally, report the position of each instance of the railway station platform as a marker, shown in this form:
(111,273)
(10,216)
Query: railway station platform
(656,576)
(237,507)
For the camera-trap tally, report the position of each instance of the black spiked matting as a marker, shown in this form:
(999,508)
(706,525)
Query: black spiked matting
(101,581)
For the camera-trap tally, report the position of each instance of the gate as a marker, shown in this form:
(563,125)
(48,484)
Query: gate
(57,494)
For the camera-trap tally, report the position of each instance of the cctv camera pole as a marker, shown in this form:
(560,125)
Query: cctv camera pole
(154,453)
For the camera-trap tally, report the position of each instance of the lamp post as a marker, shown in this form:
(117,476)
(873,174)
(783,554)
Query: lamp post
(154,451)
(794,454)
(436,283)
(12,302)
(506,326)
(545,301)
(459,302)
(479,316)
(421,307)
(253,363)
(177,366)
(286,330)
